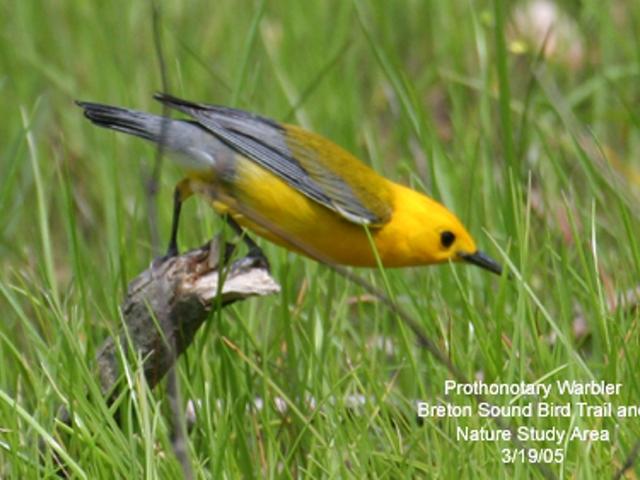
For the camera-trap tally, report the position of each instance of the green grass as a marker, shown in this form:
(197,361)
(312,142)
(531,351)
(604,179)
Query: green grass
(538,156)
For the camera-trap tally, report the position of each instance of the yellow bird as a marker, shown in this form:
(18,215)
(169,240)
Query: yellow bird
(296,188)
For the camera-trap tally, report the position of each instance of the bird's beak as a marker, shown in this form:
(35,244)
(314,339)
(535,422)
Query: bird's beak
(482,260)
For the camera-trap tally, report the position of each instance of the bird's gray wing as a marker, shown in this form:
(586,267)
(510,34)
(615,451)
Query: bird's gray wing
(300,162)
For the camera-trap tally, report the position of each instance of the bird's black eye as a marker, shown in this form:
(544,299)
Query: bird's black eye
(447,238)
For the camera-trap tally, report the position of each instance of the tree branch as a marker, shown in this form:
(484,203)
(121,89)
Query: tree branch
(167,304)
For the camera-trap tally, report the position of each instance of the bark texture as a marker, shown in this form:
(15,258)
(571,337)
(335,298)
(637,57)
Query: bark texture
(167,304)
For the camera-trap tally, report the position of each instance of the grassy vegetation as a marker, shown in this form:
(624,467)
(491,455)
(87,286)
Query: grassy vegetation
(536,150)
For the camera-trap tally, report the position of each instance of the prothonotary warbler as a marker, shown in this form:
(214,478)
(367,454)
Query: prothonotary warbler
(305,192)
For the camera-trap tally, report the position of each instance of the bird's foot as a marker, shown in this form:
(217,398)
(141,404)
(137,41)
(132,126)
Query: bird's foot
(258,257)
(172,252)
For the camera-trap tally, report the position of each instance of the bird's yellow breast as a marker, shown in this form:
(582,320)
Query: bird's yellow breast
(263,203)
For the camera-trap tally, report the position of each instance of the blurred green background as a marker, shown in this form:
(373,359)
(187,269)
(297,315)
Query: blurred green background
(520,116)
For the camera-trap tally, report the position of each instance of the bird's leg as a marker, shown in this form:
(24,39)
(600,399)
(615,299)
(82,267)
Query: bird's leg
(255,252)
(180,194)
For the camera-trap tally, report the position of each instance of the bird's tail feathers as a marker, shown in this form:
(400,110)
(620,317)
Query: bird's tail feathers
(197,149)
(133,122)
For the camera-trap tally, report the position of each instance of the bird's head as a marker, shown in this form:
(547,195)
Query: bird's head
(439,236)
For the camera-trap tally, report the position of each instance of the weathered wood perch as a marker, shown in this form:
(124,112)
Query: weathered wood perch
(167,304)
(164,308)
